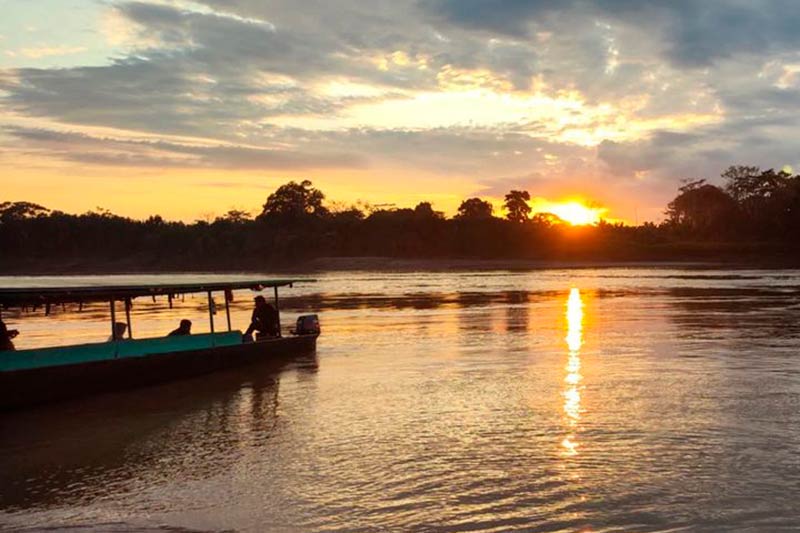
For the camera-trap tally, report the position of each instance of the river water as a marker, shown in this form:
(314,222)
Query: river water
(556,400)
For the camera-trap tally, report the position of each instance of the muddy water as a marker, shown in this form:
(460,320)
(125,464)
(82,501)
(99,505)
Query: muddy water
(556,400)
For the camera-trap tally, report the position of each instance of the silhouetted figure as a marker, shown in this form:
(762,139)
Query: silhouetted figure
(264,320)
(185,328)
(119,331)
(5,338)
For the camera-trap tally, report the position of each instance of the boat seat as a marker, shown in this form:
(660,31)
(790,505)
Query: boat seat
(87,353)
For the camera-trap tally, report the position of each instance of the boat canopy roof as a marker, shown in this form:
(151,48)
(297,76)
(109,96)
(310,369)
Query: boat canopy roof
(36,296)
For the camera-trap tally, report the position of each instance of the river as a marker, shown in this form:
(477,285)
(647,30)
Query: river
(614,399)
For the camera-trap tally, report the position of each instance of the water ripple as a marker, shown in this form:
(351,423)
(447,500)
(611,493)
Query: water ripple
(597,400)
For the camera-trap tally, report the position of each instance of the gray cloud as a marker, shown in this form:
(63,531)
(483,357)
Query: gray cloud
(626,159)
(509,17)
(83,148)
(667,157)
(693,33)
(228,74)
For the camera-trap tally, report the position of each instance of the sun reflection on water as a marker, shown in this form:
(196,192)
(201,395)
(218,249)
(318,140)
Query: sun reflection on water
(573,378)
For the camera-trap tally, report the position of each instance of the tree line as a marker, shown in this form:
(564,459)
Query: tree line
(755,214)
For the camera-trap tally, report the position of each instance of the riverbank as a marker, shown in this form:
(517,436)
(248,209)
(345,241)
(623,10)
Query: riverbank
(373,263)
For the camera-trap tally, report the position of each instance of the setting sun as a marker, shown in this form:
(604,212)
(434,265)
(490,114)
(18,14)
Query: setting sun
(577,214)
(573,212)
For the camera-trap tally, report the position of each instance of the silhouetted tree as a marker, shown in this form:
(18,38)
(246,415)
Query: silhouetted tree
(547,220)
(517,206)
(475,209)
(21,210)
(352,213)
(236,216)
(767,199)
(758,211)
(425,210)
(703,210)
(746,184)
(295,200)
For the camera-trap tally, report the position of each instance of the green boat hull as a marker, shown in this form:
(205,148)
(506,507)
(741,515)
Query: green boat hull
(107,367)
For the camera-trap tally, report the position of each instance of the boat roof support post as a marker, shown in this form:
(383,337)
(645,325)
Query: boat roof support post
(211,311)
(277,310)
(113,321)
(128,305)
(228,312)
(211,316)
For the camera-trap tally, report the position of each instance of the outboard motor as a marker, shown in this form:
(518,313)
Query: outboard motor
(307,325)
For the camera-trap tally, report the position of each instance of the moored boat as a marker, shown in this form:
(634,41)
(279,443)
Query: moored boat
(42,375)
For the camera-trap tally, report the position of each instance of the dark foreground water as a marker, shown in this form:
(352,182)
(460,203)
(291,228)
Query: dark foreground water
(572,400)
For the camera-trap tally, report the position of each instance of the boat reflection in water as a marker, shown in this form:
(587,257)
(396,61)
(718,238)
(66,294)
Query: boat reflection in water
(142,437)
(573,379)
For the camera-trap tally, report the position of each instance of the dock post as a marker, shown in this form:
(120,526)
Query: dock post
(277,310)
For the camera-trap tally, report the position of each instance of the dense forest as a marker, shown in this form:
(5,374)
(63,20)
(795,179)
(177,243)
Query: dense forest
(754,215)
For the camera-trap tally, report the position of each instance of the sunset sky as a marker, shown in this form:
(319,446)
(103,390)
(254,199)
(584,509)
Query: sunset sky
(188,109)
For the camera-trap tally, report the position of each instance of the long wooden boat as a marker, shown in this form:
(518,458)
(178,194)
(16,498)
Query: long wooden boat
(35,376)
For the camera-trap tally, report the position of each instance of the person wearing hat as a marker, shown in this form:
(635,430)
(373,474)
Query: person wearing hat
(264,320)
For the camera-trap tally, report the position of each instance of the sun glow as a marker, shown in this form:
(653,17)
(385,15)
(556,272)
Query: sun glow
(573,212)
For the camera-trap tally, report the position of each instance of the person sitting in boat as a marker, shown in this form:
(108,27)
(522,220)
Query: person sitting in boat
(5,338)
(119,331)
(264,320)
(185,328)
